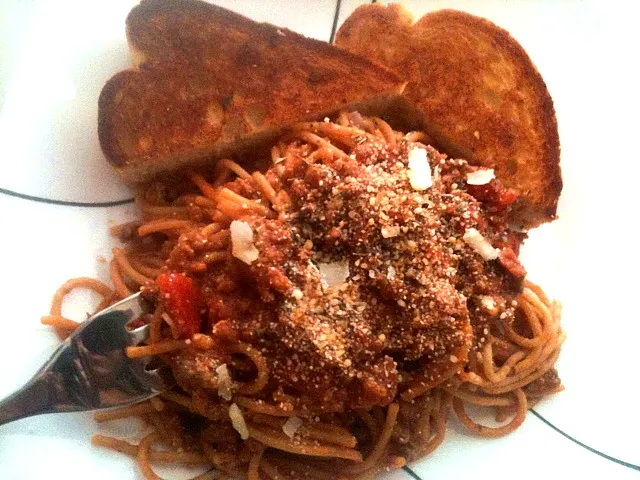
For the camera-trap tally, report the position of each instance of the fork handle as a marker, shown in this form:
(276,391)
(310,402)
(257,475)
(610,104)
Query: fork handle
(35,398)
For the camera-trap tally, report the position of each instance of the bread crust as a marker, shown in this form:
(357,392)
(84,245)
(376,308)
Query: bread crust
(210,81)
(479,93)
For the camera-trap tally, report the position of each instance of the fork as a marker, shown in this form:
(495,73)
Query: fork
(90,370)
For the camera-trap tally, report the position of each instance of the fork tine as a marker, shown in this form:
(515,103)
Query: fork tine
(138,335)
(90,370)
(128,309)
(159,378)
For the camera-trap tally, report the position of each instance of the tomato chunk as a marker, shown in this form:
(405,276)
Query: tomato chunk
(493,194)
(181,300)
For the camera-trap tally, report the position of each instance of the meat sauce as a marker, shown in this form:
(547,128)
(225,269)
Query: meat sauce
(416,298)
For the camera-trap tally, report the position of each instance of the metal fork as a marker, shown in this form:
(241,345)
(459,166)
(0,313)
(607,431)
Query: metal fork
(90,370)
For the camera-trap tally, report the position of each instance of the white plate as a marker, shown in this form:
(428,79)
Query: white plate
(55,58)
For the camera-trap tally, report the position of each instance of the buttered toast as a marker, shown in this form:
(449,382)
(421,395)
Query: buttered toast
(208,82)
(480,96)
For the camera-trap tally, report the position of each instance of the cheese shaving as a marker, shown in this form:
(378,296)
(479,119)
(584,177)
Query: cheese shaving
(291,426)
(224,382)
(419,169)
(237,420)
(481,176)
(165,316)
(480,245)
(242,246)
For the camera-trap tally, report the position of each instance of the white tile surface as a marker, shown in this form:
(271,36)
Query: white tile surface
(586,51)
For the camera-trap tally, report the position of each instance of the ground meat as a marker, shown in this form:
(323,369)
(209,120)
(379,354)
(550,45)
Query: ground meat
(194,369)
(511,264)
(411,297)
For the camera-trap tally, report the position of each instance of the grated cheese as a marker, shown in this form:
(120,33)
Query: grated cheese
(333,273)
(390,232)
(242,246)
(391,272)
(488,302)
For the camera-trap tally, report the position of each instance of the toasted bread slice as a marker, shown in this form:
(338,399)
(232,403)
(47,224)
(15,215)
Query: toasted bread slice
(480,95)
(209,82)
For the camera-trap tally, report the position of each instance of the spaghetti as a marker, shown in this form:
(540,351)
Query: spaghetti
(324,319)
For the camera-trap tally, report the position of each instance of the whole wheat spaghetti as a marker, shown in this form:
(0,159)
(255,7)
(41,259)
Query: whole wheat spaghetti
(324,318)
